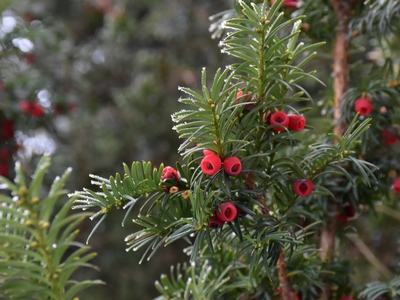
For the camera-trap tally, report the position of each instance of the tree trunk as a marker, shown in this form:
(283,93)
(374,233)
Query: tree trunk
(342,10)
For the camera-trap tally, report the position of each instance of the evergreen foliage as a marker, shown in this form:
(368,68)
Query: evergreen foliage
(260,203)
(39,251)
(239,257)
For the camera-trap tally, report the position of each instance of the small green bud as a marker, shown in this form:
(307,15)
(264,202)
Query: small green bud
(28,223)
(44,225)
(35,200)
(34,244)
(23,191)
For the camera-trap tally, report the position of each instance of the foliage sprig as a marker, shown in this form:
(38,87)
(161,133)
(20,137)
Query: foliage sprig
(39,251)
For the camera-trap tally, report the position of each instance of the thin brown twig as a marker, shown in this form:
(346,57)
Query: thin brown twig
(369,255)
(388,211)
(283,279)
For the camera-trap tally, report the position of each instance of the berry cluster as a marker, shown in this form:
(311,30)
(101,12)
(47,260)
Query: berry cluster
(7,144)
(227,212)
(31,109)
(282,121)
(279,119)
(12,112)
(211,164)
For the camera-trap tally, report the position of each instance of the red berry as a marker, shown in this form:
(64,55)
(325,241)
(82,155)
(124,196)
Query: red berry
(37,110)
(25,106)
(58,109)
(296,122)
(72,106)
(208,152)
(279,118)
(5,155)
(290,4)
(7,129)
(349,211)
(3,170)
(1,86)
(232,166)
(291,294)
(396,185)
(28,16)
(246,98)
(389,137)
(30,58)
(363,106)
(342,219)
(227,212)
(210,164)
(169,173)
(303,187)
(215,222)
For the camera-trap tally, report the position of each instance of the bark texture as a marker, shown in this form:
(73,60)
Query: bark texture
(343,11)
(283,279)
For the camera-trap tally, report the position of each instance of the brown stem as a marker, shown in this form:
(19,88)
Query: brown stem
(283,279)
(342,10)
(328,237)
